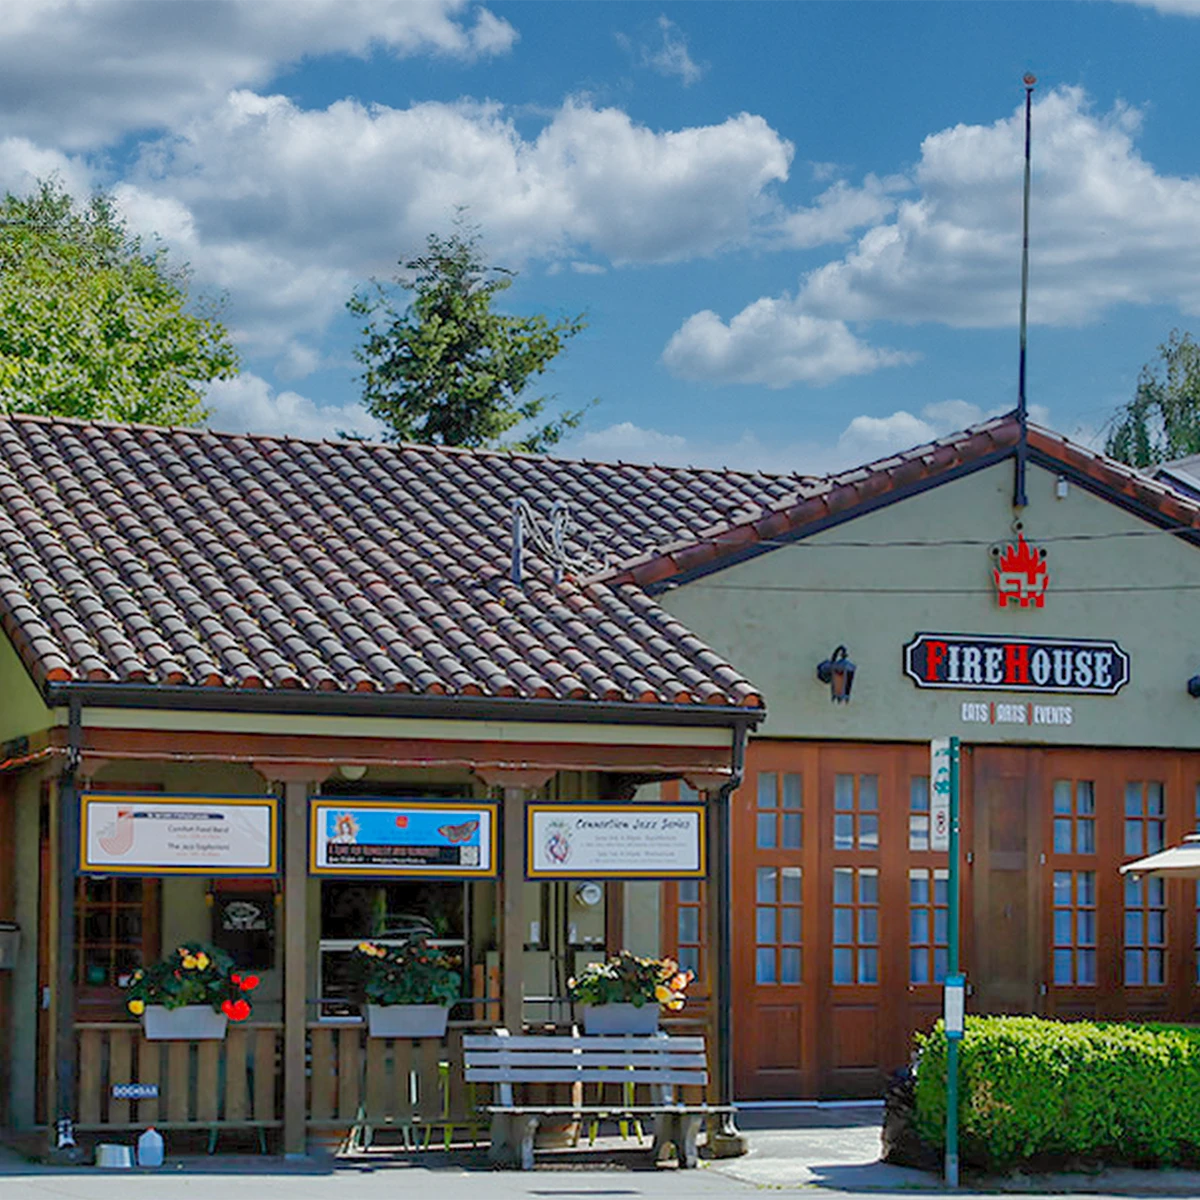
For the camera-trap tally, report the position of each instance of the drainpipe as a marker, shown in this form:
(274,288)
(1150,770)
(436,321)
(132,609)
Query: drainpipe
(727,1141)
(64,983)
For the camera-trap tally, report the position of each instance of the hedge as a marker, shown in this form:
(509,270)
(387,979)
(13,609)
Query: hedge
(1032,1090)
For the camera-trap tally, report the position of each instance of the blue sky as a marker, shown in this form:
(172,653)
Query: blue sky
(794,227)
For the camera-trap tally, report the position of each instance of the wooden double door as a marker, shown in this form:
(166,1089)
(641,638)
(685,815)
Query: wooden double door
(840,917)
(841,908)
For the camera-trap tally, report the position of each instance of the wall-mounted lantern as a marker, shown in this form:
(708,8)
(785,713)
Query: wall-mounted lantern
(837,671)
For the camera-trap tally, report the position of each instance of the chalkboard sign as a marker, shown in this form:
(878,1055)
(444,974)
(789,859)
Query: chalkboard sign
(244,927)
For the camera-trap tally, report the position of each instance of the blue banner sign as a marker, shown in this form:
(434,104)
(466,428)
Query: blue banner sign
(403,837)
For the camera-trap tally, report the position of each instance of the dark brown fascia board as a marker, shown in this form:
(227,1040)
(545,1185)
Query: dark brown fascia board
(873,504)
(1130,504)
(374,704)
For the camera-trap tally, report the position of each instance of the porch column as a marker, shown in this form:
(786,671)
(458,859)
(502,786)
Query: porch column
(517,785)
(298,783)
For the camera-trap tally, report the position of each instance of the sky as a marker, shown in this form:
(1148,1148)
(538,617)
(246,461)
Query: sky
(794,227)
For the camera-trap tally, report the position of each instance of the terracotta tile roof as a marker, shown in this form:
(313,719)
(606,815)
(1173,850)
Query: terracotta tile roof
(819,501)
(131,554)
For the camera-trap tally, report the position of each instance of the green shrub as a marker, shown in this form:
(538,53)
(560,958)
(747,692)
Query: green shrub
(1032,1089)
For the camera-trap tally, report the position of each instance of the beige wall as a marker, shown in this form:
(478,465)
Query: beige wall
(22,713)
(776,616)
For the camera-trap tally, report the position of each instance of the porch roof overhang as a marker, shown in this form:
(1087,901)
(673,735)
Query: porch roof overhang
(289,731)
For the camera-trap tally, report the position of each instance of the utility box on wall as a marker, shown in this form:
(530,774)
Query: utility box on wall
(10,944)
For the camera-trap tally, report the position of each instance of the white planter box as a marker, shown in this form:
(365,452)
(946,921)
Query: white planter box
(620,1018)
(191,1023)
(407,1020)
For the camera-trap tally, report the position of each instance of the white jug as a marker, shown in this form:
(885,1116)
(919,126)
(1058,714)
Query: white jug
(150,1148)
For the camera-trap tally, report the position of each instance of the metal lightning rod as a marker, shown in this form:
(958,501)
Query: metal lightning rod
(1019,497)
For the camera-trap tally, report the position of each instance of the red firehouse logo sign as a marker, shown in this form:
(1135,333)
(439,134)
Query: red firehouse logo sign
(1021,575)
(988,662)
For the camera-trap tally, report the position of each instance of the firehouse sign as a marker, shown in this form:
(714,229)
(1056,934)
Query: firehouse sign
(982,662)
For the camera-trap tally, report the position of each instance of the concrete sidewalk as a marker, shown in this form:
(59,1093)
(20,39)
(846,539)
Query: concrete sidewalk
(837,1148)
(832,1150)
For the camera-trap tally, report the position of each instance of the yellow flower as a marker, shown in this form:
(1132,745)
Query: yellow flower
(190,962)
(202,960)
(676,1004)
(137,1007)
(364,947)
(662,994)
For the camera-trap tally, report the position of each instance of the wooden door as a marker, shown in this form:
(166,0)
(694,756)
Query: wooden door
(1006,845)
(776,896)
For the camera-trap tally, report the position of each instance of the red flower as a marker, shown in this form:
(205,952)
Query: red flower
(247,983)
(235,977)
(236,1010)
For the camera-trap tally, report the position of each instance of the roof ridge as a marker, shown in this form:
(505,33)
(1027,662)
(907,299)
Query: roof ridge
(421,447)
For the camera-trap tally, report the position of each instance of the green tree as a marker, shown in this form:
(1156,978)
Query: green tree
(1162,421)
(93,324)
(447,369)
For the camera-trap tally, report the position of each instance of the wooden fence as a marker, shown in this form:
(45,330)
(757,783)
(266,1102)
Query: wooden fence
(205,1084)
(356,1085)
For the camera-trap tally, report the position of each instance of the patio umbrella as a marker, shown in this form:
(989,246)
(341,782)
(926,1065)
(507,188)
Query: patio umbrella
(1177,862)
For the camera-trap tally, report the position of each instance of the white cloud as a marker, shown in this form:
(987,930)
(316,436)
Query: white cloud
(83,72)
(863,440)
(23,163)
(1183,8)
(671,57)
(841,209)
(771,342)
(1106,228)
(248,404)
(285,208)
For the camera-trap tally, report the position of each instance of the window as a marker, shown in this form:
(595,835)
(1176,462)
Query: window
(1145,819)
(689,924)
(1075,927)
(780,817)
(856,812)
(918,812)
(1145,932)
(928,925)
(855,924)
(1074,816)
(110,931)
(778,925)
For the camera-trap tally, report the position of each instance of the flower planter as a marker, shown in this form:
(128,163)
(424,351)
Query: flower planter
(191,1023)
(620,1018)
(407,1020)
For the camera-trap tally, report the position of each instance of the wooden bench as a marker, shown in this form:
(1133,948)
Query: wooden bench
(662,1062)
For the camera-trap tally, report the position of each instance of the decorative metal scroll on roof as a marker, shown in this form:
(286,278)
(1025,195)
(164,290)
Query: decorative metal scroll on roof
(557,538)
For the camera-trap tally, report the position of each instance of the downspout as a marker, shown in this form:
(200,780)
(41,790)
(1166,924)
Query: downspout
(728,1130)
(64,983)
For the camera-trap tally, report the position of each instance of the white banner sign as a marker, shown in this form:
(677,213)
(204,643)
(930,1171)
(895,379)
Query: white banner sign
(648,841)
(939,794)
(178,835)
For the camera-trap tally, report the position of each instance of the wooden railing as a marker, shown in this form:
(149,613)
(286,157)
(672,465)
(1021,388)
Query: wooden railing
(354,1082)
(205,1084)
(365,1083)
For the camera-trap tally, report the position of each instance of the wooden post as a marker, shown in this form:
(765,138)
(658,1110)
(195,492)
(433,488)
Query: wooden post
(513,929)
(295,965)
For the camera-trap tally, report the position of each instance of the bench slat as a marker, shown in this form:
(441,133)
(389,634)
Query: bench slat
(645,1044)
(584,1075)
(540,1058)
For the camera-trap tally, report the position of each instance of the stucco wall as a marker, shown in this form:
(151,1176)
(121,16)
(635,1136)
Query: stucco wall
(776,616)
(22,712)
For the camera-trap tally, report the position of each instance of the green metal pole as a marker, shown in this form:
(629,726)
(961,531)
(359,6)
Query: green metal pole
(952,938)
